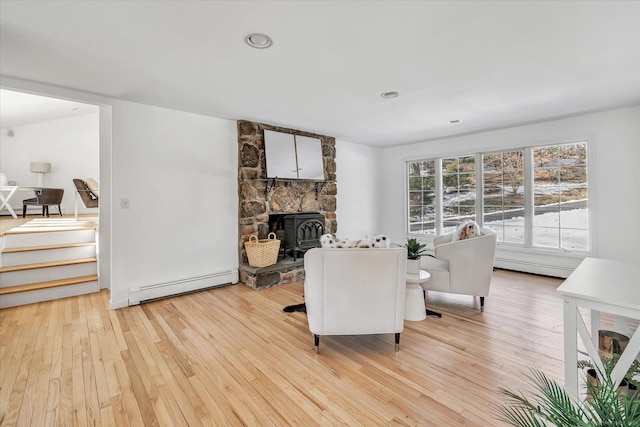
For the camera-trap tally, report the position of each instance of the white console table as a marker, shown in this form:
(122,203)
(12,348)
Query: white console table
(600,285)
(7,192)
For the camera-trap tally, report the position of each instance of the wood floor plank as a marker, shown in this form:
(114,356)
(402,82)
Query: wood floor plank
(137,386)
(99,372)
(107,417)
(66,413)
(91,395)
(53,403)
(118,410)
(77,375)
(184,400)
(168,409)
(130,412)
(231,357)
(143,361)
(214,400)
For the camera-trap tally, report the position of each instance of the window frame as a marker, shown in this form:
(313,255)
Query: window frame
(529,191)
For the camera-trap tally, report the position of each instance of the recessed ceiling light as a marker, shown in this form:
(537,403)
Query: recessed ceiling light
(453,122)
(389,95)
(258,40)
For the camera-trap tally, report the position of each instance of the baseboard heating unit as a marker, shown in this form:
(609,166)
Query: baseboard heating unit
(182,286)
(553,270)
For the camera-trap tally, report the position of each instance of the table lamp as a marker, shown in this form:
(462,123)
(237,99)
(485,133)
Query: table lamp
(40,168)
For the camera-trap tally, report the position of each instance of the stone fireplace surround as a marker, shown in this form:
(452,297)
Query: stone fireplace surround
(260,197)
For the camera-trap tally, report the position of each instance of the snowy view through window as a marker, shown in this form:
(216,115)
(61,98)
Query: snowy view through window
(558,187)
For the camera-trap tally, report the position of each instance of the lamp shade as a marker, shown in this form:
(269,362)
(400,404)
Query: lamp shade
(40,167)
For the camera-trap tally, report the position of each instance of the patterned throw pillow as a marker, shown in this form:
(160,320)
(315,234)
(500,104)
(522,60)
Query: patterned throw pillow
(466,230)
(93,187)
(331,241)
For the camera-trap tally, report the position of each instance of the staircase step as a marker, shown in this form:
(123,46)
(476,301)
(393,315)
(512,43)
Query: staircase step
(63,228)
(45,238)
(47,247)
(48,294)
(47,271)
(48,253)
(11,268)
(49,284)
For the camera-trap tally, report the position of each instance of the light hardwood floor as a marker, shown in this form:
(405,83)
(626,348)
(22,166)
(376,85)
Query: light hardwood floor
(231,356)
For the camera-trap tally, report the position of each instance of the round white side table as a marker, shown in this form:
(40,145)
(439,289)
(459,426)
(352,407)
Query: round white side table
(414,308)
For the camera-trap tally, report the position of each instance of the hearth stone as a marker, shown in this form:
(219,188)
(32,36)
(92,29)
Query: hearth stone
(285,271)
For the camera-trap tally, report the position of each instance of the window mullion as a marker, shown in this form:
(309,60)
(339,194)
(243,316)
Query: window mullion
(528,197)
(438,195)
(479,171)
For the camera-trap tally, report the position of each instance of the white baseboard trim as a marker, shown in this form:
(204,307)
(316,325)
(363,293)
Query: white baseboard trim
(114,305)
(160,290)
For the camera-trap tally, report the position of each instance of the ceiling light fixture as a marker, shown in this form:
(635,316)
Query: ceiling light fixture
(453,122)
(389,95)
(258,40)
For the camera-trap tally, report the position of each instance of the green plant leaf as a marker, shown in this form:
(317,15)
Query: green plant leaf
(550,404)
(414,248)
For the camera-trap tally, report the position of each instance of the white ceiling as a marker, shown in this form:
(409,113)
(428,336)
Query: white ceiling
(17,108)
(490,64)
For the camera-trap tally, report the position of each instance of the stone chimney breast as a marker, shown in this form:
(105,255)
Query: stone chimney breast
(260,197)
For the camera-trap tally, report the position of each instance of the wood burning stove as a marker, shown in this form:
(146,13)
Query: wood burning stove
(298,232)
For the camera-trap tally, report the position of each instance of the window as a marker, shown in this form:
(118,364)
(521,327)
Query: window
(422,191)
(532,197)
(458,191)
(503,195)
(560,214)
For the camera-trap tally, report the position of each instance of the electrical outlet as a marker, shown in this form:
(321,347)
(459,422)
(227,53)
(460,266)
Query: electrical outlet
(124,203)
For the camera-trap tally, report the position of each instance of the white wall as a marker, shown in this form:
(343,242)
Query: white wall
(358,176)
(179,172)
(71,146)
(614,156)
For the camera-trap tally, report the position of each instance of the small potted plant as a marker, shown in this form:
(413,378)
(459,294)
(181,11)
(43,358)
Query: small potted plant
(629,384)
(414,251)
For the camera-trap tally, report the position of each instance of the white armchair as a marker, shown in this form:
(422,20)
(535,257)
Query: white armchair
(462,266)
(355,291)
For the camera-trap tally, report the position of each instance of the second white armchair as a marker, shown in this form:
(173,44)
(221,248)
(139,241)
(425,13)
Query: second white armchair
(462,266)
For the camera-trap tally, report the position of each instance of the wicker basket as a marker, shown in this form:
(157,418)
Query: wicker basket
(262,253)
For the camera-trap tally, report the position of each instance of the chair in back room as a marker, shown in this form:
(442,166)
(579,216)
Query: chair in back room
(45,197)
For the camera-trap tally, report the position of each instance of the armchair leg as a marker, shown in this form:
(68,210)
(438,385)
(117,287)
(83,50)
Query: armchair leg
(397,341)
(481,304)
(59,210)
(429,312)
(24,211)
(316,342)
